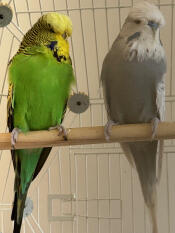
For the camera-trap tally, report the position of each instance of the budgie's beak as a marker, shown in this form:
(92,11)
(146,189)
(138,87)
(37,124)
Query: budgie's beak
(153,25)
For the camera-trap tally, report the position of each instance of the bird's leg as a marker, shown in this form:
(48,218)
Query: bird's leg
(14,136)
(155,122)
(61,130)
(107,129)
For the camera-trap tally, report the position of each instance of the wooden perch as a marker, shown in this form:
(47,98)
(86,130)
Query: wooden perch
(88,135)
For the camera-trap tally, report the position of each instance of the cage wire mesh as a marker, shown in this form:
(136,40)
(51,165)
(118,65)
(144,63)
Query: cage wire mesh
(92,187)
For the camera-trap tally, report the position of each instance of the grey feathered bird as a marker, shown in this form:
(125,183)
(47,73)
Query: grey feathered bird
(134,90)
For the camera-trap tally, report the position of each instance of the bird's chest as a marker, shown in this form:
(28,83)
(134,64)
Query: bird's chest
(133,91)
(44,93)
(142,50)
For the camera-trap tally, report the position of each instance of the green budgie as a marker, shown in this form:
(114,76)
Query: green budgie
(40,79)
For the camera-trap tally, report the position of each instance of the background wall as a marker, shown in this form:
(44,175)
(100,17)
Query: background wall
(103,191)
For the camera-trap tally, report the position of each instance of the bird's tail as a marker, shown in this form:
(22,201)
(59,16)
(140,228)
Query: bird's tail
(25,163)
(17,227)
(17,212)
(152,212)
(144,155)
(160,158)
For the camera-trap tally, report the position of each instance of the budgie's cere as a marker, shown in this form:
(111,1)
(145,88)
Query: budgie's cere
(40,78)
(134,90)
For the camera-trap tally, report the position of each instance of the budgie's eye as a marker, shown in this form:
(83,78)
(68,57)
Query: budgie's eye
(64,35)
(137,21)
(50,28)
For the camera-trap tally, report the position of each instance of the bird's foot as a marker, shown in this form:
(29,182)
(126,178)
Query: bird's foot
(14,136)
(61,130)
(154,123)
(107,129)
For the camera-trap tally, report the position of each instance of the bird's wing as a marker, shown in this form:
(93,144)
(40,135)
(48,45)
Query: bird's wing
(10,108)
(43,157)
(160,99)
(45,153)
(10,116)
(160,103)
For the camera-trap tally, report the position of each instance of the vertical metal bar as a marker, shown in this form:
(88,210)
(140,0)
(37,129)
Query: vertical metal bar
(40,5)
(132,2)
(95,34)
(167,178)
(84,57)
(38,202)
(172,39)
(29,13)
(6,180)
(120,164)
(2,221)
(6,69)
(109,191)
(2,32)
(59,164)
(76,208)
(84,47)
(97,191)
(70,183)
(73,55)
(119,14)
(86,192)
(15,12)
(107,23)
(132,198)
(54,5)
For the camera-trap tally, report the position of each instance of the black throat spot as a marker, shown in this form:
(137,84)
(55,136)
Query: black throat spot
(134,36)
(52,44)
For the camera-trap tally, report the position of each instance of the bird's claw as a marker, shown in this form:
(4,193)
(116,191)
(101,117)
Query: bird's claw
(155,122)
(107,129)
(61,130)
(14,136)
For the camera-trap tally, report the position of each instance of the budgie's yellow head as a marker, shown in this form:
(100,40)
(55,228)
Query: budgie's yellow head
(49,29)
(59,23)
